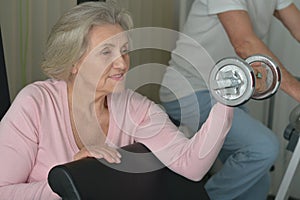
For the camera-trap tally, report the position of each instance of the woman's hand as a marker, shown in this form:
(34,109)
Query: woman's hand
(261,77)
(110,154)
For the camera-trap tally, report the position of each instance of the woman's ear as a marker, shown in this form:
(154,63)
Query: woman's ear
(74,70)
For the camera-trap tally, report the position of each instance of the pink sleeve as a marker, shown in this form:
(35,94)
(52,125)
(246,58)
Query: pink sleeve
(18,148)
(28,191)
(193,157)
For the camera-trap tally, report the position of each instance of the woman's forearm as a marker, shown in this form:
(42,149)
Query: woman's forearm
(28,191)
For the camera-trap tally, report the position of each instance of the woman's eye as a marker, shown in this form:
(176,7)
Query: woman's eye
(106,51)
(125,51)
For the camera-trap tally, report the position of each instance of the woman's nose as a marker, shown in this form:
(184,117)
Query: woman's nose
(120,62)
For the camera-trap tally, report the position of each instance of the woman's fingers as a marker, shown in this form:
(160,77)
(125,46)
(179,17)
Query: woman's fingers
(261,77)
(110,154)
(83,153)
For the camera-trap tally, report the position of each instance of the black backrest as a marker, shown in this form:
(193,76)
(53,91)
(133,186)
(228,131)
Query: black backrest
(4,92)
(92,179)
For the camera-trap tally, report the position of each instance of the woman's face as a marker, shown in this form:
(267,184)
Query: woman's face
(106,60)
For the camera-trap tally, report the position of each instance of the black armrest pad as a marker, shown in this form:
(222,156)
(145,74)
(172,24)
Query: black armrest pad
(139,176)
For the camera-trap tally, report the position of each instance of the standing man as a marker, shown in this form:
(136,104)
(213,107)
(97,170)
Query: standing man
(224,29)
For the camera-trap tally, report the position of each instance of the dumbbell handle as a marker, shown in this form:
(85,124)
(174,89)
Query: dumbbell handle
(228,83)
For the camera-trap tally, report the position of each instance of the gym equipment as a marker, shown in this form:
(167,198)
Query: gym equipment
(4,90)
(292,134)
(91,179)
(232,80)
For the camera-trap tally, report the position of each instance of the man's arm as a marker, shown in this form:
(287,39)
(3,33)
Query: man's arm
(290,18)
(238,27)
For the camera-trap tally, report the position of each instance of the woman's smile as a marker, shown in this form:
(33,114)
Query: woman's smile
(117,77)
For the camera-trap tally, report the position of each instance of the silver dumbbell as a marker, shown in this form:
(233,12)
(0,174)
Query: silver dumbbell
(232,81)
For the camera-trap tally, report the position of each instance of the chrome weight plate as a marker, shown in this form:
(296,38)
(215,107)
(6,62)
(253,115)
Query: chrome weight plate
(232,81)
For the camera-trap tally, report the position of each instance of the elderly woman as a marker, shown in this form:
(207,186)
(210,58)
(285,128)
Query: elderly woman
(83,110)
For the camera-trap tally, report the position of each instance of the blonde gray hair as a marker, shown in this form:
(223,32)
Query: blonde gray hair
(68,39)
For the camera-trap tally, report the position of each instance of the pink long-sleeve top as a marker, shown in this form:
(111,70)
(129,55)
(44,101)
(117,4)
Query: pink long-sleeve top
(36,134)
